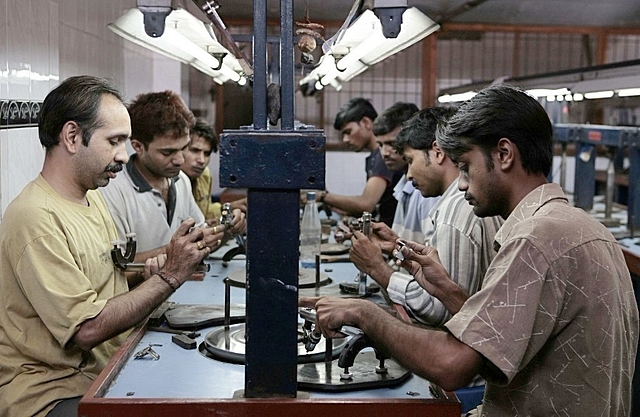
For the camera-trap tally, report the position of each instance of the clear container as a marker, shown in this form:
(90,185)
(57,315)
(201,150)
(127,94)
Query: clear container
(310,233)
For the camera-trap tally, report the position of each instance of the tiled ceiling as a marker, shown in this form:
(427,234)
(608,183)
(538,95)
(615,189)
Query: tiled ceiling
(598,13)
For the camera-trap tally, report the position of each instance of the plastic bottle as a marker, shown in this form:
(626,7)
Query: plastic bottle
(310,233)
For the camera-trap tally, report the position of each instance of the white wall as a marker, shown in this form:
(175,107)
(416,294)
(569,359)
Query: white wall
(28,69)
(345,173)
(45,41)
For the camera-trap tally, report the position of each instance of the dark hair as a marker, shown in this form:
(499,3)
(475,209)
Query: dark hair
(501,111)
(75,99)
(162,113)
(205,131)
(354,111)
(393,117)
(419,132)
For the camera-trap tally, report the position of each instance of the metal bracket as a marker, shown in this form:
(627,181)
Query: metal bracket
(155,13)
(121,260)
(285,160)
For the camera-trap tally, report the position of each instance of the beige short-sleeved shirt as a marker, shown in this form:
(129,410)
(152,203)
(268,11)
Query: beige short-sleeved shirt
(201,189)
(556,314)
(56,272)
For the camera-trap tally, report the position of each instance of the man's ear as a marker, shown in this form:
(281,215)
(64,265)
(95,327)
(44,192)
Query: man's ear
(137,145)
(506,153)
(71,136)
(367,123)
(438,154)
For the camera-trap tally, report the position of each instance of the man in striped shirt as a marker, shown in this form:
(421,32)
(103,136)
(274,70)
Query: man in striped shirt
(463,240)
(411,220)
(554,328)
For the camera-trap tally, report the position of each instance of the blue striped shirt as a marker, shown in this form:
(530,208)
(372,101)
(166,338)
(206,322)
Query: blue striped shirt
(465,246)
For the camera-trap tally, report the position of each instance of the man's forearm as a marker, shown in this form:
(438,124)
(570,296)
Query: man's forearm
(354,205)
(452,297)
(123,312)
(447,361)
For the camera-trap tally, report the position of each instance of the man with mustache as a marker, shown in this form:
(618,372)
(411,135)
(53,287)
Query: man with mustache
(153,196)
(64,307)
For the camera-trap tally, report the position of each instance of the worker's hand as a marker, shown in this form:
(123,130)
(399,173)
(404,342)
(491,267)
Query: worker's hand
(332,313)
(154,264)
(366,255)
(240,205)
(342,233)
(185,251)
(238,223)
(214,221)
(309,302)
(383,236)
(213,237)
(424,264)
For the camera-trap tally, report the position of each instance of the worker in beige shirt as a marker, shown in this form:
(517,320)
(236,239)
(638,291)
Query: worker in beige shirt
(64,306)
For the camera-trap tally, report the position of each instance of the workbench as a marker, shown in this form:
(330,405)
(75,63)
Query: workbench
(185,382)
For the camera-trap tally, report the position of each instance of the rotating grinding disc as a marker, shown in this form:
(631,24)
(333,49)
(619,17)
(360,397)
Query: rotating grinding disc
(306,278)
(228,345)
(333,248)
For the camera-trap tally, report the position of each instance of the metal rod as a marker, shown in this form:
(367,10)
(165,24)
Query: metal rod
(317,271)
(287,68)
(366,230)
(209,8)
(563,165)
(260,64)
(328,350)
(611,176)
(227,303)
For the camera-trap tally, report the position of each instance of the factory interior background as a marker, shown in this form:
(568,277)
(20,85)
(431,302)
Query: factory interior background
(45,41)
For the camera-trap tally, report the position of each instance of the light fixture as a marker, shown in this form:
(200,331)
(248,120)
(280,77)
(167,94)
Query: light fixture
(456,98)
(629,92)
(185,39)
(356,47)
(547,92)
(600,81)
(598,94)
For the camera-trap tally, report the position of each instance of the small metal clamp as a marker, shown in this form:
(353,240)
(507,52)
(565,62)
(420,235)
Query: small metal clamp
(148,351)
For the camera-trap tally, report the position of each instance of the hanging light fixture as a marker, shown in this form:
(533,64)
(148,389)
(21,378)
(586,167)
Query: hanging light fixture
(185,39)
(361,44)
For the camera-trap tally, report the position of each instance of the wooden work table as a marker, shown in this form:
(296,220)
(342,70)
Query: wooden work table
(186,383)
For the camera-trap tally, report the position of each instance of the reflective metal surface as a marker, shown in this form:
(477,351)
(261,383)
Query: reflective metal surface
(306,278)
(228,345)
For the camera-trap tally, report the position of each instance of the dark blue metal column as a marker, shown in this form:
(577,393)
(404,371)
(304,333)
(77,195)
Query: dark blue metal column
(585,176)
(273,165)
(633,203)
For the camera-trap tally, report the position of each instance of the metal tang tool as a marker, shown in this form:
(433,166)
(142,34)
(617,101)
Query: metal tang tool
(124,261)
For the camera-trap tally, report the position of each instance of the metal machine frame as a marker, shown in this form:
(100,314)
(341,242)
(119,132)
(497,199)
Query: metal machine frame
(617,139)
